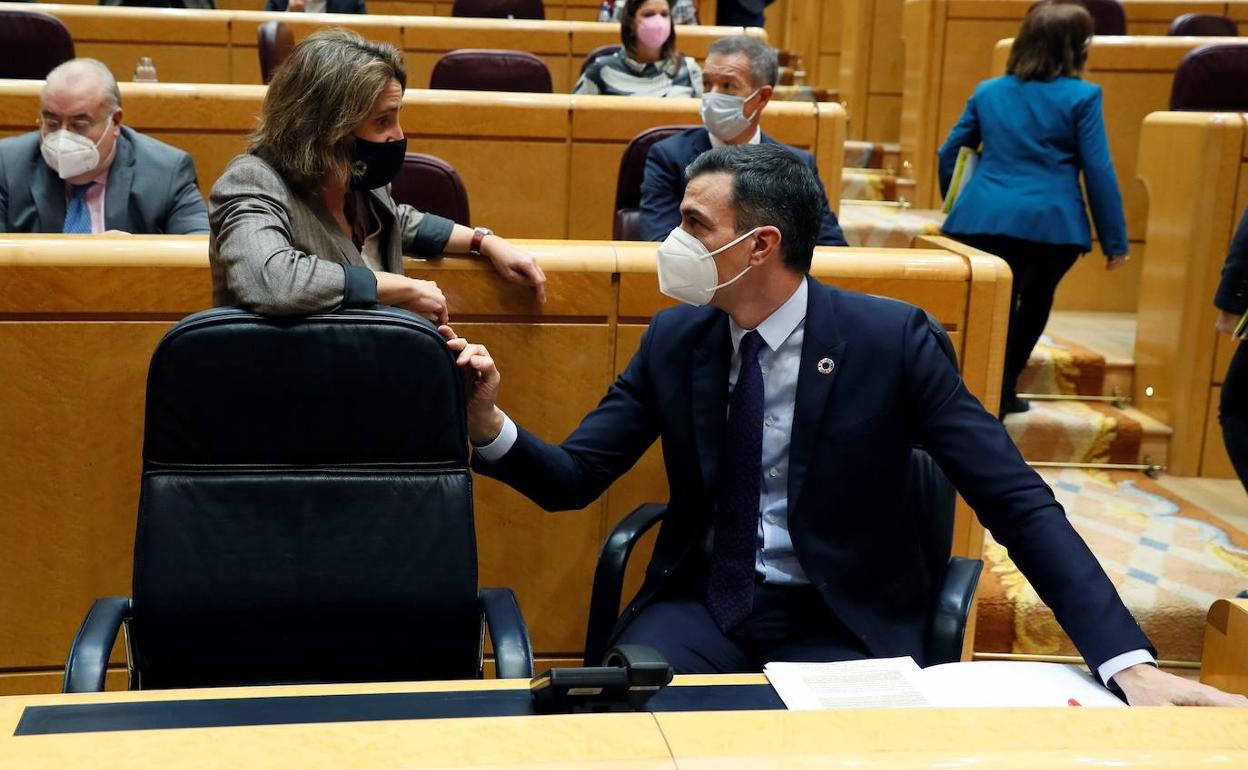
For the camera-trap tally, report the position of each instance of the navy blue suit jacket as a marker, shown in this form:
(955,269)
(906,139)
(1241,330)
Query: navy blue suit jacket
(892,387)
(1232,296)
(663,186)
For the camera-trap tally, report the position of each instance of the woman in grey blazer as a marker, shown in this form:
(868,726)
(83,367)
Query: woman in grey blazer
(304,220)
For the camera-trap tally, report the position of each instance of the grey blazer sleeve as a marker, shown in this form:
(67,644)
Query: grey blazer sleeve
(253,250)
(187,213)
(424,235)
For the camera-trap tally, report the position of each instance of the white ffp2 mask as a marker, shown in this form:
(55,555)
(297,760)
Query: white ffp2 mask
(70,154)
(687,268)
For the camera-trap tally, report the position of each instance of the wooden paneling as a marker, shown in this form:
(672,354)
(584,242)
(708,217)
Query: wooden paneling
(1224,658)
(80,316)
(534,165)
(1189,166)
(219,46)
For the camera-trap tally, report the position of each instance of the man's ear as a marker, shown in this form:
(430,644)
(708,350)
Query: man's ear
(117,118)
(766,246)
(764,96)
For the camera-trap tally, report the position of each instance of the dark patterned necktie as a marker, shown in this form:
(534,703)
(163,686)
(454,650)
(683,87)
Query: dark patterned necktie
(78,216)
(730,586)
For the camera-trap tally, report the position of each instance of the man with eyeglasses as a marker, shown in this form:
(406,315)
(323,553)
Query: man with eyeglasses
(83,172)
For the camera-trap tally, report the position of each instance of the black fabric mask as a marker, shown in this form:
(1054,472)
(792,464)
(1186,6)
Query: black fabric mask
(376,163)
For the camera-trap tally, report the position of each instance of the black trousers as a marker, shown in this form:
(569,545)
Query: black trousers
(1038,268)
(789,623)
(1233,412)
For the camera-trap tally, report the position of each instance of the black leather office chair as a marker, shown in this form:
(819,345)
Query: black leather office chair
(490,69)
(430,184)
(955,578)
(1206,78)
(1203,25)
(32,44)
(305,512)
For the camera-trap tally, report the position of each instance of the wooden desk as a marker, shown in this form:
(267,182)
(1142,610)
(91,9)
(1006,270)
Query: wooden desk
(535,165)
(80,316)
(1193,167)
(1030,739)
(1224,659)
(219,46)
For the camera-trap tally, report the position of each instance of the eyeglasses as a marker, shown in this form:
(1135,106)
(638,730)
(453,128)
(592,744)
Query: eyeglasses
(78,125)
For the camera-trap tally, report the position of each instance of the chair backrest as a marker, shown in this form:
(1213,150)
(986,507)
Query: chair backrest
(627,225)
(1203,25)
(285,533)
(1108,16)
(603,50)
(489,69)
(274,42)
(930,493)
(32,44)
(1211,79)
(500,9)
(430,184)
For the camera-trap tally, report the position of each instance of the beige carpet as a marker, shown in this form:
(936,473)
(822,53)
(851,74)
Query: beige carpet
(1168,559)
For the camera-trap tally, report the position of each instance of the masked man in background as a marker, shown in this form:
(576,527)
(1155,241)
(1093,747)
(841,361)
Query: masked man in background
(84,172)
(738,77)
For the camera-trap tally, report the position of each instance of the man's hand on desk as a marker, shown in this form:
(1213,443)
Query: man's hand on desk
(481,378)
(1147,685)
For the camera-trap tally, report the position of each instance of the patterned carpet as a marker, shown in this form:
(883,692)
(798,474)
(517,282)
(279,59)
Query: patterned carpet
(1076,431)
(1168,559)
(1060,367)
(883,226)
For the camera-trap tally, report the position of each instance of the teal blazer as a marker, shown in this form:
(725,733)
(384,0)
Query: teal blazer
(1037,136)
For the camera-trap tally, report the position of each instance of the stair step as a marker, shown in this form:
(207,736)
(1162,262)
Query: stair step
(1078,432)
(881,225)
(1061,366)
(882,155)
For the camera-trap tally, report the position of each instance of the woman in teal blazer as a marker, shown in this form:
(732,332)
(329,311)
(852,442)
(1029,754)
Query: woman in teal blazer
(1040,126)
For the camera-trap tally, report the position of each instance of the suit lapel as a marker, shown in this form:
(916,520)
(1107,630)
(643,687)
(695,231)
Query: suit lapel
(120,180)
(821,344)
(711,360)
(48,192)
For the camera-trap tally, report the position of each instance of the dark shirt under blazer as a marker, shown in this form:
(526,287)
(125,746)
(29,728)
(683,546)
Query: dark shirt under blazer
(663,186)
(151,189)
(1232,296)
(853,429)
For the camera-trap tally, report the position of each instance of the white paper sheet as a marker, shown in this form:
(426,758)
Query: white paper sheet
(855,684)
(900,683)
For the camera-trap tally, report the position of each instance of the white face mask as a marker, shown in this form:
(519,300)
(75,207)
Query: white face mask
(724,115)
(687,269)
(70,154)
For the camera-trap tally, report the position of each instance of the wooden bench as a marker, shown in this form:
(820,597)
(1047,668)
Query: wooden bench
(80,316)
(1193,167)
(949,47)
(535,165)
(220,46)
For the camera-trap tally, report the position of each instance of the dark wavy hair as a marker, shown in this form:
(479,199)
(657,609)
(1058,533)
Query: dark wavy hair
(629,38)
(1052,42)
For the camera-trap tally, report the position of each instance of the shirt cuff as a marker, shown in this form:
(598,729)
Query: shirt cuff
(432,234)
(502,443)
(359,287)
(1119,663)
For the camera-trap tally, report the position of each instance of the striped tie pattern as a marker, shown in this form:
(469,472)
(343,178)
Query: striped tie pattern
(78,216)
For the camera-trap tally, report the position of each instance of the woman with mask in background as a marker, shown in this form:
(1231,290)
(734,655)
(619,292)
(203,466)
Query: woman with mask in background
(1040,125)
(648,64)
(304,222)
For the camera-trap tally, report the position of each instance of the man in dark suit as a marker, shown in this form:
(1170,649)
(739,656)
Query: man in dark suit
(786,537)
(82,171)
(738,77)
(742,13)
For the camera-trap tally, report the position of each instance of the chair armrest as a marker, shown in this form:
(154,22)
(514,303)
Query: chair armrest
(953,605)
(513,654)
(604,604)
(88,655)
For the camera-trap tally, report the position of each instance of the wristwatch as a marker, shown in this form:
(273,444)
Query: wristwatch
(478,235)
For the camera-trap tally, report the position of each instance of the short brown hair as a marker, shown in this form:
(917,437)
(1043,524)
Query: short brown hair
(317,98)
(629,37)
(1052,43)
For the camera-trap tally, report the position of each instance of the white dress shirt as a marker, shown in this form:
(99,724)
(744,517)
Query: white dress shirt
(780,359)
